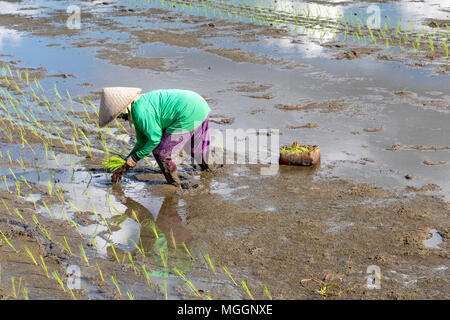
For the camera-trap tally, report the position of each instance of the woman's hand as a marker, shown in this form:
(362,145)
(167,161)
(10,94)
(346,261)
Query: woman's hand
(131,163)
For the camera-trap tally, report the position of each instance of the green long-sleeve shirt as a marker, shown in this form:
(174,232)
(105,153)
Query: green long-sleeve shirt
(173,111)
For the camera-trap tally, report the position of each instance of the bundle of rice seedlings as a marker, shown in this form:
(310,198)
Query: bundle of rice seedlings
(297,147)
(113,163)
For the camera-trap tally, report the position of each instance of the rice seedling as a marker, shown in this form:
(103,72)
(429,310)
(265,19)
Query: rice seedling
(266,290)
(147,276)
(114,252)
(84,254)
(25,294)
(186,249)
(153,227)
(6,207)
(8,242)
(27,250)
(431,44)
(22,164)
(16,211)
(445,45)
(72,294)
(229,275)
(100,272)
(113,163)
(26,181)
(12,173)
(130,296)
(18,189)
(6,184)
(163,256)
(50,188)
(165,288)
(187,282)
(113,279)
(141,251)
(106,223)
(66,246)
(13,287)
(76,227)
(58,279)
(208,259)
(46,207)
(44,266)
(244,286)
(43,230)
(173,239)
(135,216)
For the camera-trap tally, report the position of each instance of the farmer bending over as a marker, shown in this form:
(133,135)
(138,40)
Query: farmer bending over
(164,122)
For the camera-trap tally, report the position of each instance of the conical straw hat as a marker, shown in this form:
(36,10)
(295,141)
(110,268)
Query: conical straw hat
(114,101)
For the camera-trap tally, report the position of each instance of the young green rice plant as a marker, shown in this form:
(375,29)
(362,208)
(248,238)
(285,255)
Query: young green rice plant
(26,181)
(18,189)
(431,44)
(445,45)
(132,262)
(6,183)
(266,290)
(25,294)
(16,211)
(76,227)
(130,296)
(58,279)
(72,294)
(186,249)
(6,207)
(229,275)
(147,275)
(44,266)
(100,272)
(66,246)
(21,163)
(113,163)
(187,282)
(163,256)
(135,216)
(208,259)
(46,207)
(27,250)
(153,227)
(244,286)
(50,188)
(165,288)
(173,239)
(106,223)
(114,252)
(84,254)
(141,251)
(43,230)
(113,279)
(14,287)
(8,242)
(12,173)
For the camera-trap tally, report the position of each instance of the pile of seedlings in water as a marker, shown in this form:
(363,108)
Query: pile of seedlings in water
(36,130)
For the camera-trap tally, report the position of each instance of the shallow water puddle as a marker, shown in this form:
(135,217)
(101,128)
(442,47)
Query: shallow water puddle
(434,241)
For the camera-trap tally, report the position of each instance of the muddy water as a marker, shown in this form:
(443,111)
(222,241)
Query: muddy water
(343,97)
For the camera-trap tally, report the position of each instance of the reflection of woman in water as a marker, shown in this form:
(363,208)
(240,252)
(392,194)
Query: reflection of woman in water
(167,219)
